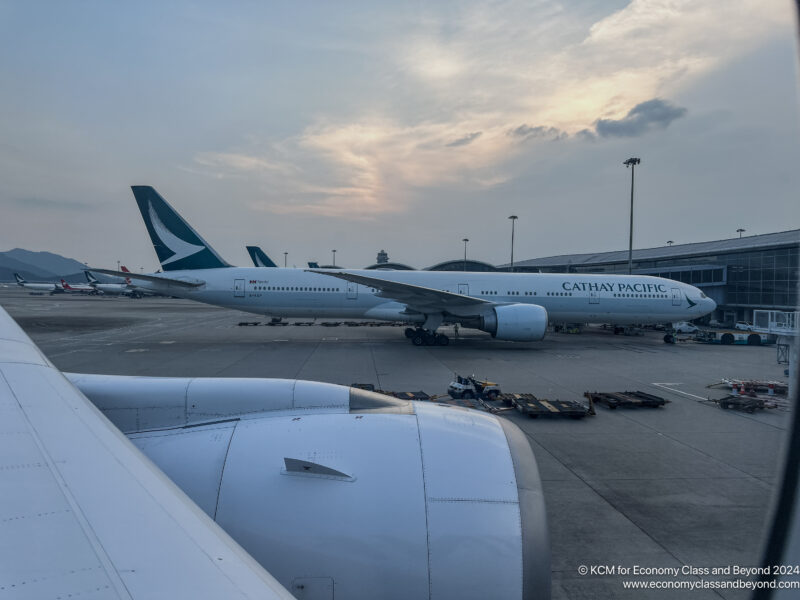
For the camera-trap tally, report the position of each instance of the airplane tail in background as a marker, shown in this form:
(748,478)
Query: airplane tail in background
(177,245)
(65,285)
(125,270)
(259,257)
(19,278)
(90,278)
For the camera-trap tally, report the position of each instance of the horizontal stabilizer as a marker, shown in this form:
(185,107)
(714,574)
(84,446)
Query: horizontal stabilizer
(165,281)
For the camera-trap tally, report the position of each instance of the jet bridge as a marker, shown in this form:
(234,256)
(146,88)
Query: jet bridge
(779,323)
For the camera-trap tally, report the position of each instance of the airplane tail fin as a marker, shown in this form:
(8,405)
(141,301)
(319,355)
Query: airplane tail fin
(65,285)
(19,278)
(124,269)
(259,257)
(313,265)
(177,245)
(90,278)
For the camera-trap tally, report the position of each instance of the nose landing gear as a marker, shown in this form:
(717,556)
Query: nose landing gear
(423,337)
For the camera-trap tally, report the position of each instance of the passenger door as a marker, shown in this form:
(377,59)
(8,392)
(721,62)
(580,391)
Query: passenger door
(676,297)
(238,288)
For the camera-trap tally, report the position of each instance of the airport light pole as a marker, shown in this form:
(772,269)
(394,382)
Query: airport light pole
(285,255)
(740,231)
(465,240)
(513,220)
(670,242)
(631,162)
(334,257)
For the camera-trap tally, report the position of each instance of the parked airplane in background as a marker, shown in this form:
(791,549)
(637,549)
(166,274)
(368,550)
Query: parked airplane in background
(259,257)
(38,287)
(79,288)
(509,306)
(125,289)
(325,486)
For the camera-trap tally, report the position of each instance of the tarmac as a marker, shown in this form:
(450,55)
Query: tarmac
(686,485)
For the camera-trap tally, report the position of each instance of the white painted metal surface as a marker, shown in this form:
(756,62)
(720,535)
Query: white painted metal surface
(368,534)
(142,403)
(84,514)
(472,505)
(193,458)
(417,503)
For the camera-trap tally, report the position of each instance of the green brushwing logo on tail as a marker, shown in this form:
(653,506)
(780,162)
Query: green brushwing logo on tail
(177,245)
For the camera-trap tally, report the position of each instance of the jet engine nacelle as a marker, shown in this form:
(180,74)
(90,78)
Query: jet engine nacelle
(335,488)
(516,322)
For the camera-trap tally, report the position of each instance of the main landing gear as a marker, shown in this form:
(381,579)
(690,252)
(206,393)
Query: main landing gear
(423,337)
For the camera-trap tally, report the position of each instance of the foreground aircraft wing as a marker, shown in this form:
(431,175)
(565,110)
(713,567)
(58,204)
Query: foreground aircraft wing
(85,514)
(165,281)
(416,297)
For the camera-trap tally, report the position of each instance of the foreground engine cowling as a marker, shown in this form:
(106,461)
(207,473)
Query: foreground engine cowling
(339,489)
(516,322)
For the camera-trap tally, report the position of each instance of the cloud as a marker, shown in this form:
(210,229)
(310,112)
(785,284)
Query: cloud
(233,162)
(644,117)
(478,69)
(587,135)
(463,141)
(540,131)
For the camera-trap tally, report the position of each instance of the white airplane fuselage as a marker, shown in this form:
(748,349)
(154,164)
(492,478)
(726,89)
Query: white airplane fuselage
(41,287)
(112,288)
(568,298)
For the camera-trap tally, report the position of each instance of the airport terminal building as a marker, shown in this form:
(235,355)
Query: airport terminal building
(740,274)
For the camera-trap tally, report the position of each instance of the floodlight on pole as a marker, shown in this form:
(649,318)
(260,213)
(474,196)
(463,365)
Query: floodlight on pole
(285,256)
(334,257)
(740,231)
(670,242)
(631,162)
(465,240)
(513,220)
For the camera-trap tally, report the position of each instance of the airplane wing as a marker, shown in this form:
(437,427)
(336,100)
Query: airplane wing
(166,281)
(416,297)
(85,514)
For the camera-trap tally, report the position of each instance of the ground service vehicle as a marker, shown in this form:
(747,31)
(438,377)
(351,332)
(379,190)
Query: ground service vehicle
(469,387)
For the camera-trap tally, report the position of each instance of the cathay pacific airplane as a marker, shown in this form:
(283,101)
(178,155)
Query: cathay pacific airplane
(259,257)
(509,306)
(114,289)
(38,287)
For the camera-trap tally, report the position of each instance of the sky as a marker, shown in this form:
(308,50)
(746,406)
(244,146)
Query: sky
(305,127)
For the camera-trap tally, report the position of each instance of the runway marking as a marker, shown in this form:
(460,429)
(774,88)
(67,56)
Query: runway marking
(137,350)
(167,342)
(666,387)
